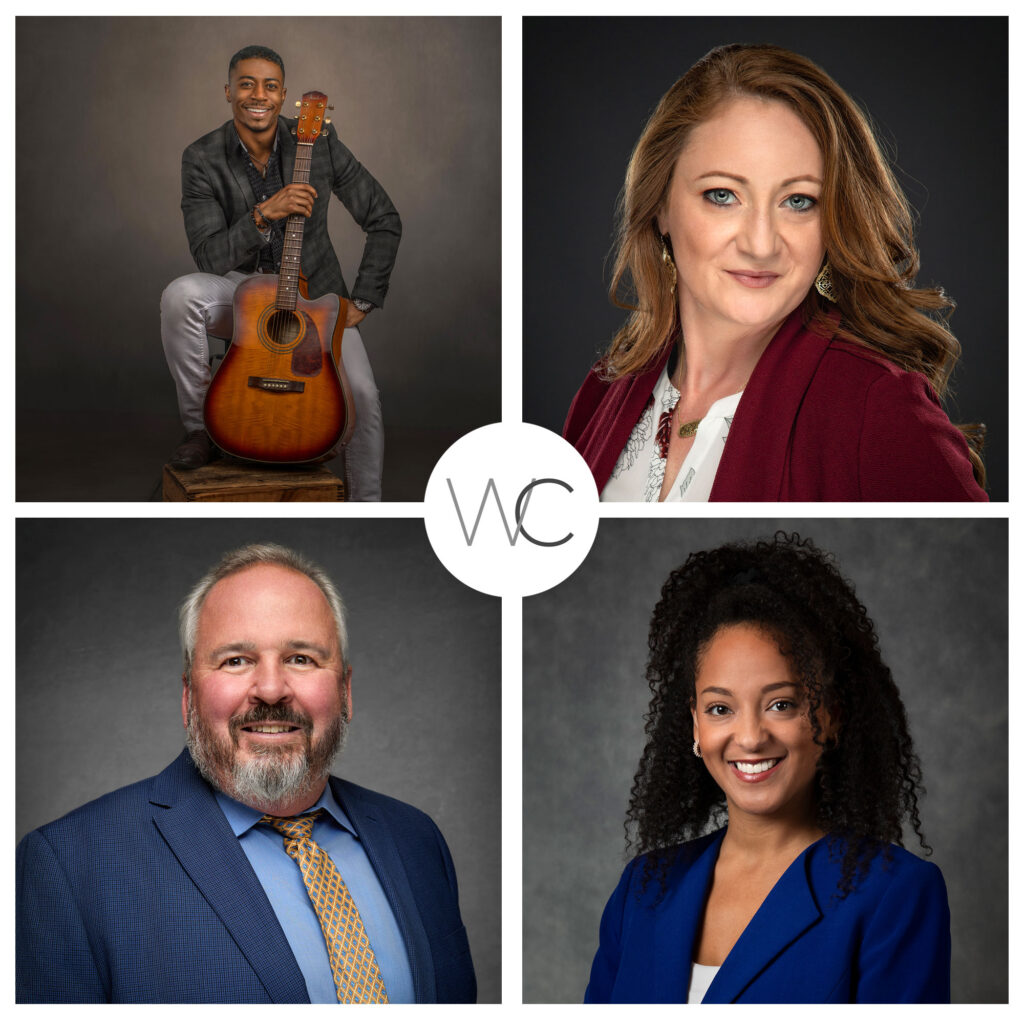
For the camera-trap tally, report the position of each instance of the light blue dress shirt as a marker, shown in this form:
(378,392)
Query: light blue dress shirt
(282,881)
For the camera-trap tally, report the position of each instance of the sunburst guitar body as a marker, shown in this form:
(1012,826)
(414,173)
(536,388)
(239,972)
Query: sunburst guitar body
(281,394)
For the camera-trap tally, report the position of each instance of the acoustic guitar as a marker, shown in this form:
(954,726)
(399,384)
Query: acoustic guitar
(281,394)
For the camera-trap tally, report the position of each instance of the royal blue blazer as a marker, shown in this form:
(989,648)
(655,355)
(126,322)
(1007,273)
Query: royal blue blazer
(145,896)
(886,942)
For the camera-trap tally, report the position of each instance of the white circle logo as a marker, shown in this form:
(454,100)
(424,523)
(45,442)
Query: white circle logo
(511,509)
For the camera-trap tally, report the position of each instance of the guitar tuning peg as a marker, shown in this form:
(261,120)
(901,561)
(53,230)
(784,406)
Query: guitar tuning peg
(327,120)
(298,103)
(330,106)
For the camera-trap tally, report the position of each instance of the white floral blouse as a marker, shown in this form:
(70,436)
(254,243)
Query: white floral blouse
(640,470)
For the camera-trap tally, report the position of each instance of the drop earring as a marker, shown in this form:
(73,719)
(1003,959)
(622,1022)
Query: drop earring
(823,283)
(666,258)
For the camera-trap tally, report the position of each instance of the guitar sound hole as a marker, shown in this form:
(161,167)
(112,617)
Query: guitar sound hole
(283,327)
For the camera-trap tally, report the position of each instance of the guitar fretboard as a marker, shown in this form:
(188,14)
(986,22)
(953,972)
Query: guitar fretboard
(291,253)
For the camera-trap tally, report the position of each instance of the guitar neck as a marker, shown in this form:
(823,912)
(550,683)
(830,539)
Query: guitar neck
(291,253)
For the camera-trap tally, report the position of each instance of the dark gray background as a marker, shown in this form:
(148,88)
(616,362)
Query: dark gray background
(936,89)
(106,107)
(99,675)
(937,591)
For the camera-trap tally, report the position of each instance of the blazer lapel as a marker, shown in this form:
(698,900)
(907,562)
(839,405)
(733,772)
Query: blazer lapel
(676,920)
(286,143)
(236,159)
(756,455)
(236,164)
(187,816)
(606,434)
(383,855)
(787,912)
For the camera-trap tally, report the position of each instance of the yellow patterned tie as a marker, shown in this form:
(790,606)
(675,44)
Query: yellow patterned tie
(356,974)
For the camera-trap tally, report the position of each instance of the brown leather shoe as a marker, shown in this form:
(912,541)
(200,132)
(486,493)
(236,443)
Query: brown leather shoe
(194,451)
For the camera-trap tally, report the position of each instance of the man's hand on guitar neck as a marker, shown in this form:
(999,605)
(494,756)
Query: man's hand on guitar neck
(297,198)
(291,199)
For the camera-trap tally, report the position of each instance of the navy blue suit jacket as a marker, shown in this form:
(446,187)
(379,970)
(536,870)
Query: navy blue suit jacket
(145,896)
(887,942)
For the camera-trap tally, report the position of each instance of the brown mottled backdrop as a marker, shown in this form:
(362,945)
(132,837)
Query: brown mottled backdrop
(105,107)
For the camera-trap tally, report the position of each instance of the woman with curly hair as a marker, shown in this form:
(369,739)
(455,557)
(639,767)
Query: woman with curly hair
(766,255)
(774,716)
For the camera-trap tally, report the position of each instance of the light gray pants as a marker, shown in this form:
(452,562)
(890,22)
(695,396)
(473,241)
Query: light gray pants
(198,305)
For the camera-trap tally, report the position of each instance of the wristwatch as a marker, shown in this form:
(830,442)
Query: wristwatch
(363,305)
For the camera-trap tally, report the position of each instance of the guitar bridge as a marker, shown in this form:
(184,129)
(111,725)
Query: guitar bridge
(276,384)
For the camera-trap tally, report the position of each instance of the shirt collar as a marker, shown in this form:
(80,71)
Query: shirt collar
(241,817)
(241,144)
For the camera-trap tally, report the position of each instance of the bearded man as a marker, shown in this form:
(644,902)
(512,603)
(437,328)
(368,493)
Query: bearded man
(244,872)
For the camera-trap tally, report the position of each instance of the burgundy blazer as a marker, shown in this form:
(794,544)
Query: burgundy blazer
(821,419)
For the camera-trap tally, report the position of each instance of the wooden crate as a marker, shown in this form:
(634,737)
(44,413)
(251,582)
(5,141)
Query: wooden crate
(231,481)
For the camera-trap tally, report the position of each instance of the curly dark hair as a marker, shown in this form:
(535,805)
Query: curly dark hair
(868,779)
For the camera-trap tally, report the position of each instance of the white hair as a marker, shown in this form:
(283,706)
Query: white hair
(245,558)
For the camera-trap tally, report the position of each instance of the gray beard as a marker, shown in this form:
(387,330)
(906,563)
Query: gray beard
(272,775)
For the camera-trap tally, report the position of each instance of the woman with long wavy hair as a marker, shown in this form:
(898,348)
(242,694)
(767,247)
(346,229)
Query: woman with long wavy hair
(776,346)
(769,805)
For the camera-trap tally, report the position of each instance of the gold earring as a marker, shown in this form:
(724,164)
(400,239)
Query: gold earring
(666,258)
(823,283)
(696,749)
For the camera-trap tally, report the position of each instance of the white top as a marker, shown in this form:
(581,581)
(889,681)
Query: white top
(701,977)
(640,469)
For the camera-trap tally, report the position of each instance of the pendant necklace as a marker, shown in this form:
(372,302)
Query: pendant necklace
(689,429)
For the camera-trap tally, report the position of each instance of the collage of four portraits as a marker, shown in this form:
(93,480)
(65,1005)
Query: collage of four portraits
(275,743)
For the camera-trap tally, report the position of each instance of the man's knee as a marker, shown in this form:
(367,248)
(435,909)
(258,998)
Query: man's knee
(198,302)
(178,296)
(194,292)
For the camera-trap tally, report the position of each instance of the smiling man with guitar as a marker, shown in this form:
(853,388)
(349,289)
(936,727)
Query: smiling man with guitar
(236,206)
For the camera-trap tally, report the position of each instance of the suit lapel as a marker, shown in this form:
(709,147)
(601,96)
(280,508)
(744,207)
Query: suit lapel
(286,143)
(756,455)
(235,158)
(676,920)
(379,844)
(188,818)
(787,912)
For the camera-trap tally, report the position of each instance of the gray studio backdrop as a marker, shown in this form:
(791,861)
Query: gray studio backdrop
(99,675)
(936,89)
(105,108)
(937,591)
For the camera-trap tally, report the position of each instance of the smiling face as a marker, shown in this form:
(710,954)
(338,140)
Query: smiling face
(751,721)
(256,93)
(270,696)
(742,213)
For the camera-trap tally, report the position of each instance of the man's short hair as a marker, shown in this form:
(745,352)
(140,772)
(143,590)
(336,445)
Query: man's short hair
(245,558)
(251,52)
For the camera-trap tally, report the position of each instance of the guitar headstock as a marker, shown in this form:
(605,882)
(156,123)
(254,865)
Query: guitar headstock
(312,108)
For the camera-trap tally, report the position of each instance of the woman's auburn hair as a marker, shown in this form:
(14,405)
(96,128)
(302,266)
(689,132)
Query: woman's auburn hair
(867,224)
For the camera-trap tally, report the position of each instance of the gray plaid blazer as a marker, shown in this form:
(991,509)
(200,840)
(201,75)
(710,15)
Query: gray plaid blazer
(217,200)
